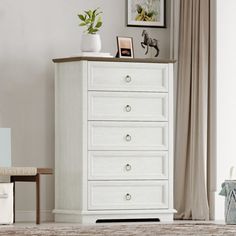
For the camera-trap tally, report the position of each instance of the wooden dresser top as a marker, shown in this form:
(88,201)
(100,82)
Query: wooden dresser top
(113,59)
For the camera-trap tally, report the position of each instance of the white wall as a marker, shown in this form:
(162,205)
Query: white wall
(32,32)
(226,95)
(5,147)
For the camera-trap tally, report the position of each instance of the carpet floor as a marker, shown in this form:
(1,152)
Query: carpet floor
(150,229)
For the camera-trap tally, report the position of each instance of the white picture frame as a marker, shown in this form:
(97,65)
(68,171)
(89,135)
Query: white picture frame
(125,47)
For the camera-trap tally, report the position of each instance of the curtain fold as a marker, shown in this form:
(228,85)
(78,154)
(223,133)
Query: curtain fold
(192,118)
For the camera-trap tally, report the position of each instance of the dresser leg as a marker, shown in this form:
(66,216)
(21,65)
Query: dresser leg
(37,199)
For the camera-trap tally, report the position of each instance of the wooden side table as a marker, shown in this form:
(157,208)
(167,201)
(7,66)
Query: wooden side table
(31,178)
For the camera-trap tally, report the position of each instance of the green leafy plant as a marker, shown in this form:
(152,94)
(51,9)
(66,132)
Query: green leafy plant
(92,20)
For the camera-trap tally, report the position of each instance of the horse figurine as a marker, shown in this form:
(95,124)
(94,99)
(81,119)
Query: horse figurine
(149,42)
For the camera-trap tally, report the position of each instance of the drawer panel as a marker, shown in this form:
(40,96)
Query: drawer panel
(121,165)
(121,76)
(127,135)
(118,195)
(128,106)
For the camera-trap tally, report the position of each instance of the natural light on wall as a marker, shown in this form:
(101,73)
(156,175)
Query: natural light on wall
(226,95)
(5,147)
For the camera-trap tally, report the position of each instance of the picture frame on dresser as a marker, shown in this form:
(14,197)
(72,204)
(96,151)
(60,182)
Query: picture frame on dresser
(125,48)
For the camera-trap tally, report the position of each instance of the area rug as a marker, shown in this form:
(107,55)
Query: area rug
(156,229)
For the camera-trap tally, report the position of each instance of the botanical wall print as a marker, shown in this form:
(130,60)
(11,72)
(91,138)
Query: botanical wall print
(147,13)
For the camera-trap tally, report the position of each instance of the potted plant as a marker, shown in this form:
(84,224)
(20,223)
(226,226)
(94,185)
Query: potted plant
(91,41)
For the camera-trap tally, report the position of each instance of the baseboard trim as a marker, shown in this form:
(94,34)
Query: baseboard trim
(30,216)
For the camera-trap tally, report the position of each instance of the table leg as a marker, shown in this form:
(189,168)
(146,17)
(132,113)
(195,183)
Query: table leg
(14,208)
(37,199)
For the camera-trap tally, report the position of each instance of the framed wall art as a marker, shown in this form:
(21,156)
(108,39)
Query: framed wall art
(125,47)
(146,13)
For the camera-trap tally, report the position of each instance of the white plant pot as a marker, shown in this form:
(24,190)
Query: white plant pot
(91,43)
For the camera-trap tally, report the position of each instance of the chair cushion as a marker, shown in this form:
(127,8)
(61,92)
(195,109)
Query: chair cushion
(18,171)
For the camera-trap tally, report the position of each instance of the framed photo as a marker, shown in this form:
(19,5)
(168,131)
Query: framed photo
(146,13)
(125,47)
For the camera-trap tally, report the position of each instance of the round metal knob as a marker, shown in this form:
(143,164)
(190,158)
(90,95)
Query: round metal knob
(128,78)
(128,108)
(128,167)
(128,138)
(128,197)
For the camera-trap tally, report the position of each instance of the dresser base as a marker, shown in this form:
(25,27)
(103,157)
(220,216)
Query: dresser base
(91,217)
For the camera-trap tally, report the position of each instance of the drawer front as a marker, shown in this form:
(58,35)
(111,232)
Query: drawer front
(128,106)
(127,135)
(111,165)
(118,195)
(127,76)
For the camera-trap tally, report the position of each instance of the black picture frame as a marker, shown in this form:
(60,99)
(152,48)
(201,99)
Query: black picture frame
(149,24)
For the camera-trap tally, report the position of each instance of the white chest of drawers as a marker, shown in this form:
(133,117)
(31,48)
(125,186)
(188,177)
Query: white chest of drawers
(114,147)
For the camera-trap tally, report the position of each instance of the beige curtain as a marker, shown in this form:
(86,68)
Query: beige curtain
(192,118)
